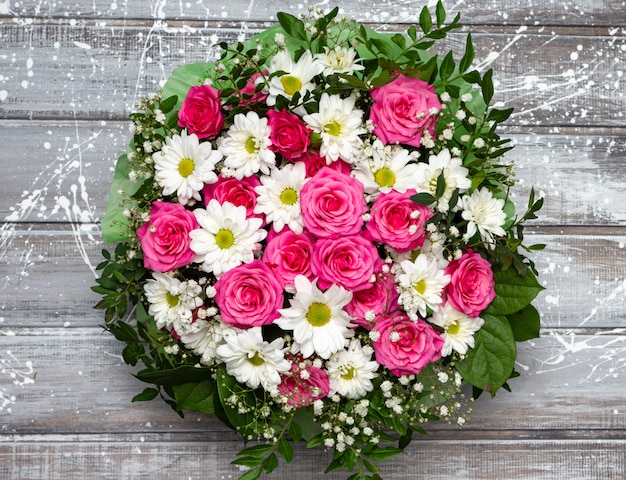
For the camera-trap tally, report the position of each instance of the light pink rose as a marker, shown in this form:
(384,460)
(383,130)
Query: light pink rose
(289,255)
(398,221)
(289,134)
(303,391)
(201,112)
(405,347)
(165,237)
(401,111)
(472,287)
(249,90)
(345,261)
(238,192)
(379,298)
(249,295)
(332,204)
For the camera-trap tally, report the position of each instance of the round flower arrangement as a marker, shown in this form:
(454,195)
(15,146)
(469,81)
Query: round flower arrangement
(315,241)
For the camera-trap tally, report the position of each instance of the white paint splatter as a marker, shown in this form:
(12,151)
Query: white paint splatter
(82,45)
(3,95)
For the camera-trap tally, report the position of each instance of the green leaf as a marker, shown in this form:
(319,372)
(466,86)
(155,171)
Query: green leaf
(292,25)
(285,449)
(147,395)
(513,291)
(525,323)
(423,198)
(487,86)
(383,453)
(270,463)
(197,396)
(447,66)
(169,103)
(499,115)
(412,32)
(426,21)
(258,451)
(440,13)
(247,461)
(175,376)
(472,77)
(228,386)
(468,56)
(252,474)
(489,364)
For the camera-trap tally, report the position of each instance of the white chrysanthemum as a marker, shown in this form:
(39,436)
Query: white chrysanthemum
(319,323)
(172,301)
(226,237)
(459,329)
(338,60)
(252,360)
(246,146)
(339,124)
(184,165)
(204,336)
(484,213)
(279,197)
(454,173)
(297,77)
(351,371)
(421,285)
(388,168)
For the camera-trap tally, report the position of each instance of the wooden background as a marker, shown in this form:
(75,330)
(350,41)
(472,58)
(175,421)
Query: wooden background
(70,72)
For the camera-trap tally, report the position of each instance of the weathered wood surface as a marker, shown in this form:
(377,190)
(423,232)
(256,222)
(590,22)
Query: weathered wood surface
(69,75)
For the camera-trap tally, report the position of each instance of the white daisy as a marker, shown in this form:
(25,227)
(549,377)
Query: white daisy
(246,146)
(279,197)
(454,173)
(351,371)
(252,360)
(387,168)
(339,124)
(226,237)
(172,301)
(421,284)
(338,60)
(297,77)
(184,165)
(459,329)
(319,323)
(484,214)
(204,336)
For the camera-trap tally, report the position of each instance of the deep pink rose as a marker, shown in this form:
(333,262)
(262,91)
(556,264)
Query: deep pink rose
(238,192)
(201,112)
(345,261)
(289,255)
(380,299)
(253,96)
(332,204)
(471,288)
(406,347)
(314,163)
(249,295)
(303,390)
(401,111)
(165,237)
(398,221)
(289,134)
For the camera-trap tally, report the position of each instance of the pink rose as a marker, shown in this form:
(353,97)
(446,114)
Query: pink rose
(289,134)
(401,111)
(249,295)
(378,299)
(165,237)
(398,221)
(302,390)
(405,347)
(345,261)
(289,255)
(238,192)
(471,288)
(332,204)
(314,163)
(249,91)
(201,112)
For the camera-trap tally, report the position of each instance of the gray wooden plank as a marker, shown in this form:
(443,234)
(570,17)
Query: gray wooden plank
(437,460)
(99,71)
(569,12)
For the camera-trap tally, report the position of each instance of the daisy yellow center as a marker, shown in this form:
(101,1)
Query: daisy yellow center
(333,128)
(454,328)
(251,145)
(291,84)
(318,314)
(347,373)
(186,167)
(172,300)
(385,177)
(289,196)
(224,238)
(256,360)
(420,287)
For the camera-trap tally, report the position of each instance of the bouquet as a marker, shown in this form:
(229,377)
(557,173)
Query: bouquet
(316,241)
